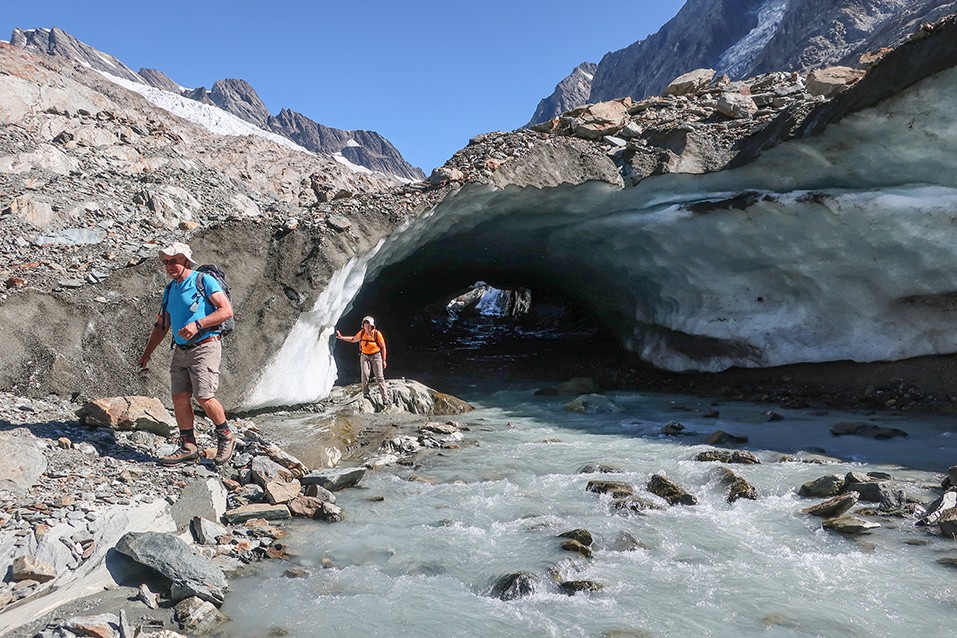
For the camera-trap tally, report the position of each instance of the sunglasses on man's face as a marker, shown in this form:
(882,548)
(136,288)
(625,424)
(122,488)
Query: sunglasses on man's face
(169,262)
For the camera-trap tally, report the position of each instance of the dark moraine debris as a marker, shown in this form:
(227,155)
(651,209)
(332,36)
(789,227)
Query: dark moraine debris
(729,456)
(515,585)
(667,489)
(738,487)
(572,587)
(616,489)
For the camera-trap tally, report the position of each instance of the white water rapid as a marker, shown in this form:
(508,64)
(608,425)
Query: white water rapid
(420,547)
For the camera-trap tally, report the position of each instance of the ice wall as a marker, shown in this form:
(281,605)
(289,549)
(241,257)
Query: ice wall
(304,369)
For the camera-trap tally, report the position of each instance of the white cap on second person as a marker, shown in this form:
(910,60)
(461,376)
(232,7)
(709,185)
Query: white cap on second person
(370,320)
(179,248)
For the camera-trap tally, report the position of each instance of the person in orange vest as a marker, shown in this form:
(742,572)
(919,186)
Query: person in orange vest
(372,356)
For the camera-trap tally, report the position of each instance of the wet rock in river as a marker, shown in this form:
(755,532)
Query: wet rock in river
(662,486)
(598,468)
(738,487)
(583,536)
(849,525)
(935,510)
(591,404)
(515,585)
(572,587)
(635,505)
(729,456)
(866,429)
(823,487)
(572,545)
(948,523)
(833,507)
(335,479)
(720,437)
(616,489)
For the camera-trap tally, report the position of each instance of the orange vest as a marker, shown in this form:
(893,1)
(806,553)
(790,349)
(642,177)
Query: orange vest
(373,344)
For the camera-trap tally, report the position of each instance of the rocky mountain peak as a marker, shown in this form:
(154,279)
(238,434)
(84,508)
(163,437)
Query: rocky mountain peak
(160,80)
(746,38)
(570,93)
(239,98)
(59,43)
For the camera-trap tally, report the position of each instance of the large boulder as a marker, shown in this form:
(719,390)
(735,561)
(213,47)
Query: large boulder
(689,82)
(832,80)
(515,585)
(598,120)
(334,479)
(833,507)
(128,413)
(736,105)
(662,486)
(190,574)
(21,461)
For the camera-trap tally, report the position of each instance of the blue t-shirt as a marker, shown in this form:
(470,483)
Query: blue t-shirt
(185,304)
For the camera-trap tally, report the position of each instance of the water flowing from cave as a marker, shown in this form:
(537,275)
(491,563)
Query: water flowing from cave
(420,547)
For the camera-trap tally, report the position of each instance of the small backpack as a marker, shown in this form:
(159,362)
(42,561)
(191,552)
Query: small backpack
(216,273)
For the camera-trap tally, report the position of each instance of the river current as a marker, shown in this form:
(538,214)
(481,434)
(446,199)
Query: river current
(420,548)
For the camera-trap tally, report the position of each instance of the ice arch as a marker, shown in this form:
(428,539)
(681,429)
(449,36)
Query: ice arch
(838,247)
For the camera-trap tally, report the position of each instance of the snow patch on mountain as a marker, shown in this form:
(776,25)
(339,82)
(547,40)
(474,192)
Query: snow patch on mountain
(739,58)
(212,118)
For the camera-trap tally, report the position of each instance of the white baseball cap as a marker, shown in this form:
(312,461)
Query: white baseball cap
(370,320)
(179,248)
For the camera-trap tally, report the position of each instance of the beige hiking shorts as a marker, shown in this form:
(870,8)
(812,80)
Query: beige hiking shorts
(196,370)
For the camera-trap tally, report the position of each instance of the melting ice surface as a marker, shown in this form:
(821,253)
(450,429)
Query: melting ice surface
(420,560)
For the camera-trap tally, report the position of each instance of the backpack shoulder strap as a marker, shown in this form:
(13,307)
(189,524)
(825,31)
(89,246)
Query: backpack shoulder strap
(166,290)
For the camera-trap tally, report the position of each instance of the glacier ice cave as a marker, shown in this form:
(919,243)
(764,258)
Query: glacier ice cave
(840,246)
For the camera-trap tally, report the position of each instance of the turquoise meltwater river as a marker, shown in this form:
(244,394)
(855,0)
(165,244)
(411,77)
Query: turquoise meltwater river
(420,548)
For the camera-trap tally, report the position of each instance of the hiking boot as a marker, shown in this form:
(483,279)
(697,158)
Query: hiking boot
(185,452)
(225,447)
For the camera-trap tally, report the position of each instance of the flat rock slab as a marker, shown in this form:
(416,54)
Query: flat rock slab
(191,575)
(257,510)
(21,462)
(128,413)
(336,479)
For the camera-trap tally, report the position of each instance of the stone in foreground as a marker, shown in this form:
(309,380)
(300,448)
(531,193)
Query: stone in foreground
(336,479)
(256,510)
(191,575)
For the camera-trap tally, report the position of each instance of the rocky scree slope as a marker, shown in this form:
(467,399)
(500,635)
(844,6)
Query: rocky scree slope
(746,38)
(364,148)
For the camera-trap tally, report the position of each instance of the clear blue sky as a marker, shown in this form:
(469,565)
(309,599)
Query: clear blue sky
(427,75)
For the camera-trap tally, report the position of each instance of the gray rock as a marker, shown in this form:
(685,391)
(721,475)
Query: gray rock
(190,574)
(265,470)
(197,616)
(100,626)
(335,479)
(257,510)
(516,585)
(823,487)
(729,456)
(689,82)
(635,505)
(21,462)
(833,507)
(31,568)
(281,491)
(738,487)
(948,500)
(667,489)
(572,587)
(948,523)
(591,404)
(205,531)
(573,545)
(129,413)
(616,489)
(832,80)
(849,525)
(583,536)
(736,105)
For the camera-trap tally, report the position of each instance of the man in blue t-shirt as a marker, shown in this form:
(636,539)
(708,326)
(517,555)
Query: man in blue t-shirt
(198,350)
